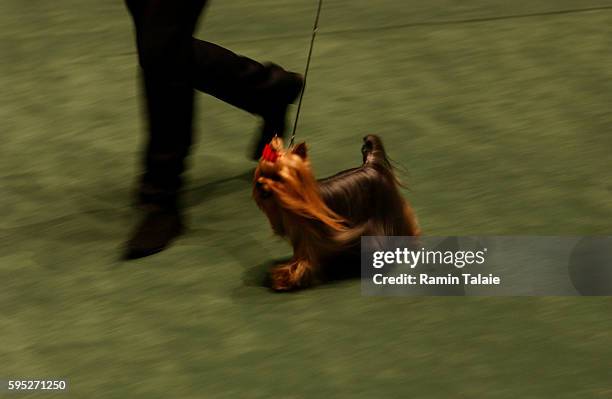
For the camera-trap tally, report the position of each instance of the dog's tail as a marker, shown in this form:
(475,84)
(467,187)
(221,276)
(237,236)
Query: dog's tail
(373,151)
(374,155)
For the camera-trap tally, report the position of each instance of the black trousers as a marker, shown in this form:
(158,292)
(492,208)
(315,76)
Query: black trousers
(173,64)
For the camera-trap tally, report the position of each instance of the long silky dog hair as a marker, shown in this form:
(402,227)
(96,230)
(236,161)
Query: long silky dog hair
(325,219)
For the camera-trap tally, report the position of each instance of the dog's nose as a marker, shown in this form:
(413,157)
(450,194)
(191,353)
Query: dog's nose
(264,193)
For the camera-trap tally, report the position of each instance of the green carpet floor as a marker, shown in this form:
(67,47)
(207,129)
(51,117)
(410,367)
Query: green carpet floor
(499,113)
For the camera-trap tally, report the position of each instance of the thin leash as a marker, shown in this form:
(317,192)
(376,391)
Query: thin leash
(312,40)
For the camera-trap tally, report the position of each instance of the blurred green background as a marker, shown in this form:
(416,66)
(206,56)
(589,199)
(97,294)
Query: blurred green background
(500,113)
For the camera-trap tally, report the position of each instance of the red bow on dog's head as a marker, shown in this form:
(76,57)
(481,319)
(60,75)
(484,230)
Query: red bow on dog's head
(269,154)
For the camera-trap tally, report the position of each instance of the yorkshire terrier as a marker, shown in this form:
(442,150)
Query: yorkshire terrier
(325,219)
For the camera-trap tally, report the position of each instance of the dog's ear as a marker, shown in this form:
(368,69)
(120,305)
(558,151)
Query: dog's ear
(300,150)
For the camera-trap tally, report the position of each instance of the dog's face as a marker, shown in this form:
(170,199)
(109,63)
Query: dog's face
(278,169)
(279,166)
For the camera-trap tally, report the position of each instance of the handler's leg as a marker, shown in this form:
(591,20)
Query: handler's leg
(172,64)
(164,31)
(262,89)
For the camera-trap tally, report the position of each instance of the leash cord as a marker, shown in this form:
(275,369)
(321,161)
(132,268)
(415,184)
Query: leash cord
(312,40)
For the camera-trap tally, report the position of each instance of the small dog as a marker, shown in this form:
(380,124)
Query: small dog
(325,219)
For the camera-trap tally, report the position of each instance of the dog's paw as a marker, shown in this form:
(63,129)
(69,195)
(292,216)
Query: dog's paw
(281,278)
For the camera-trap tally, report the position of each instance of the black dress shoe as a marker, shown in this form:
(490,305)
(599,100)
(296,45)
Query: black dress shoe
(154,233)
(287,89)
